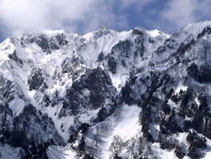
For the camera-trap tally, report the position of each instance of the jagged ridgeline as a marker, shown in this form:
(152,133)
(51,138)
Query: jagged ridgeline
(138,94)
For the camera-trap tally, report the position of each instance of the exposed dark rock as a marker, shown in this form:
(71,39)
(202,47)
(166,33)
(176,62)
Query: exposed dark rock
(206,30)
(185,47)
(197,143)
(99,87)
(112,64)
(137,31)
(127,91)
(15,58)
(87,156)
(36,79)
(43,42)
(201,74)
(105,112)
(38,152)
(100,56)
(46,43)
(167,142)
(29,124)
(123,47)
(180,151)
(61,39)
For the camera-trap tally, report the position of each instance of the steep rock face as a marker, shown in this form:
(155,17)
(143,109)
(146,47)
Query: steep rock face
(106,94)
(28,130)
(92,91)
(44,42)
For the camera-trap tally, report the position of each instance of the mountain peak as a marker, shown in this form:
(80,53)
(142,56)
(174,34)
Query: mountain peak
(53,32)
(102,31)
(196,28)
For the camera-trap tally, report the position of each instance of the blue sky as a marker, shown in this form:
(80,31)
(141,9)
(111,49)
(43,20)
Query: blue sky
(83,16)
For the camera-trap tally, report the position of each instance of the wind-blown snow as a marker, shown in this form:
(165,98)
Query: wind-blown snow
(124,124)
(54,152)
(196,28)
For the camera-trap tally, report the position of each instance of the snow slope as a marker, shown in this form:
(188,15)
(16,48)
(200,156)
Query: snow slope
(106,94)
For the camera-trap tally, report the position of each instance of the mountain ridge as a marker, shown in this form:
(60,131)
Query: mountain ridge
(106,94)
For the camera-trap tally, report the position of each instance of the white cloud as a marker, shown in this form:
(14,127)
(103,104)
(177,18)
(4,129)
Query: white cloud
(34,15)
(178,13)
(75,16)
(85,15)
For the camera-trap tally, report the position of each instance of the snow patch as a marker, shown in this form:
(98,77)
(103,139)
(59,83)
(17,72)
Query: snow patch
(181,87)
(57,152)
(17,106)
(161,153)
(124,124)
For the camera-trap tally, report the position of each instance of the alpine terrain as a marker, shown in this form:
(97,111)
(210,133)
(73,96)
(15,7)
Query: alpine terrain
(138,94)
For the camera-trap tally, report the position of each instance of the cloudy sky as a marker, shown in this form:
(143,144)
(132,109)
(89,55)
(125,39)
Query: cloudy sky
(83,16)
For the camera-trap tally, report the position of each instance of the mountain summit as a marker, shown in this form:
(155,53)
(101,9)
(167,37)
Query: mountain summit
(138,94)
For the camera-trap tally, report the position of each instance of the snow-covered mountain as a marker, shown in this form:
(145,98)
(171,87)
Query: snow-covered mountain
(138,94)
